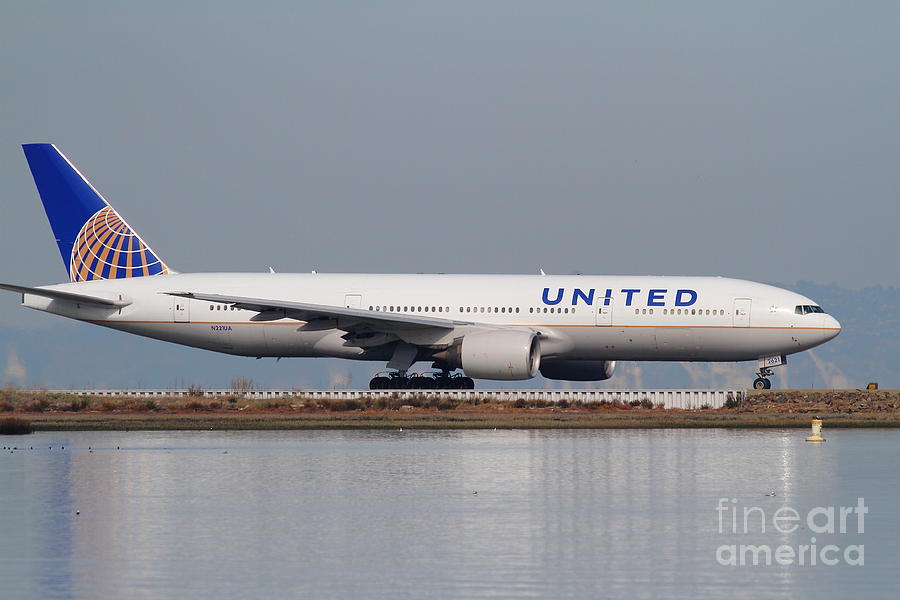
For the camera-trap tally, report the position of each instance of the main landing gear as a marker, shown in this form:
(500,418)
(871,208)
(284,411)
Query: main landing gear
(398,380)
(762,381)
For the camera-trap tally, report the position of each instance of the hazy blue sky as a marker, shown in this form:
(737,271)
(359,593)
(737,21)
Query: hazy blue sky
(751,139)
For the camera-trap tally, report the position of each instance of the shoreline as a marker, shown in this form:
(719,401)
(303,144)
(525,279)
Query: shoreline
(426,420)
(763,410)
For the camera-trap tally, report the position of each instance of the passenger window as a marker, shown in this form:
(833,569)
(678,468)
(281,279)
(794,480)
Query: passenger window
(651,311)
(545,310)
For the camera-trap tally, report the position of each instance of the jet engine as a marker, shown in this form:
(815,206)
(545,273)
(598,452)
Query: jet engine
(578,370)
(495,355)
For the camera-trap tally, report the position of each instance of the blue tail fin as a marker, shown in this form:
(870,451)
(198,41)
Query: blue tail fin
(94,240)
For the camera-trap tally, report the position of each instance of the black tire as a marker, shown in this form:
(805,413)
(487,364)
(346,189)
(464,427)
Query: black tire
(378,383)
(761,383)
(467,383)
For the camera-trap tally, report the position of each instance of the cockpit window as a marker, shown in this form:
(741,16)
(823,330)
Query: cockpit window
(805,309)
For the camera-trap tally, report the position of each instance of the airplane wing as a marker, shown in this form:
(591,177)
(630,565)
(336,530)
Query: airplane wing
(101,301)
(351,318)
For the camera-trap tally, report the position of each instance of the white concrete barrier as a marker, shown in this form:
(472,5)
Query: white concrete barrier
(685,399)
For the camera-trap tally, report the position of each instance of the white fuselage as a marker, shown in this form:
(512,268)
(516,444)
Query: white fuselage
(578,317)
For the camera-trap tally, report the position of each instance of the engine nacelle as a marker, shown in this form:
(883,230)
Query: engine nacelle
(578,370)
(496,355)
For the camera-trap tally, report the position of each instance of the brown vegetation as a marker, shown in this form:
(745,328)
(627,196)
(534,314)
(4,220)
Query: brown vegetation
(758,409)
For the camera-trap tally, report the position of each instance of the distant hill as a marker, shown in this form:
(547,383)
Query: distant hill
(65,354)
(868,348)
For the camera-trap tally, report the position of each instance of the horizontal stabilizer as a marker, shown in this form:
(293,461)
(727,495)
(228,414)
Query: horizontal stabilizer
(111,302)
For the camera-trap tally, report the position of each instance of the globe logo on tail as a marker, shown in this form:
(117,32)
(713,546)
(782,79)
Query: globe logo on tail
(107,248)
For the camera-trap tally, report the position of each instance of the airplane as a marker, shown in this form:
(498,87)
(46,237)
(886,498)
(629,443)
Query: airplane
(499,327)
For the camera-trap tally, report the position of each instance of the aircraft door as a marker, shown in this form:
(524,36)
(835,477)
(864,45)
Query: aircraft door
(353,301)
(742,312)
(181,310)
(603,308)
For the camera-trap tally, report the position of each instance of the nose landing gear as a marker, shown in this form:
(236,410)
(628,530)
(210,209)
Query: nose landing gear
(762,381)
(765,365)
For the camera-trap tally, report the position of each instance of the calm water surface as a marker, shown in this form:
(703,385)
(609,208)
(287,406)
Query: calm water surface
(374,514)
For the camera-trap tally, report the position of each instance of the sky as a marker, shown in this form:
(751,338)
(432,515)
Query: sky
(754,140)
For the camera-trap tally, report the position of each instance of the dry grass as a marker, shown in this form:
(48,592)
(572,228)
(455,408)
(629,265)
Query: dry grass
(775,409)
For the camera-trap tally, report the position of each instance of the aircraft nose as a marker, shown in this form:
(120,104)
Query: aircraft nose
(832,326)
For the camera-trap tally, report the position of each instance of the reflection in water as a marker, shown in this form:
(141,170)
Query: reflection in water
(453,514)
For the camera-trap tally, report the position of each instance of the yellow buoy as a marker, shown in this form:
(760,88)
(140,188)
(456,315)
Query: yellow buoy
(816,431)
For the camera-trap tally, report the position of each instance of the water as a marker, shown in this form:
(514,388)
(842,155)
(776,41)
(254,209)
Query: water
(375,514)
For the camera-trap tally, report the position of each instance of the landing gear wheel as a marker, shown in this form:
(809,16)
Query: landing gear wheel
(379,383)
(465,383)
(762,379)
(761,383)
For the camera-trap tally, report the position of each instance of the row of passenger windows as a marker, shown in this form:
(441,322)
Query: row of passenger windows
(511,310)
(443,309)
(674,311)
(410,309)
